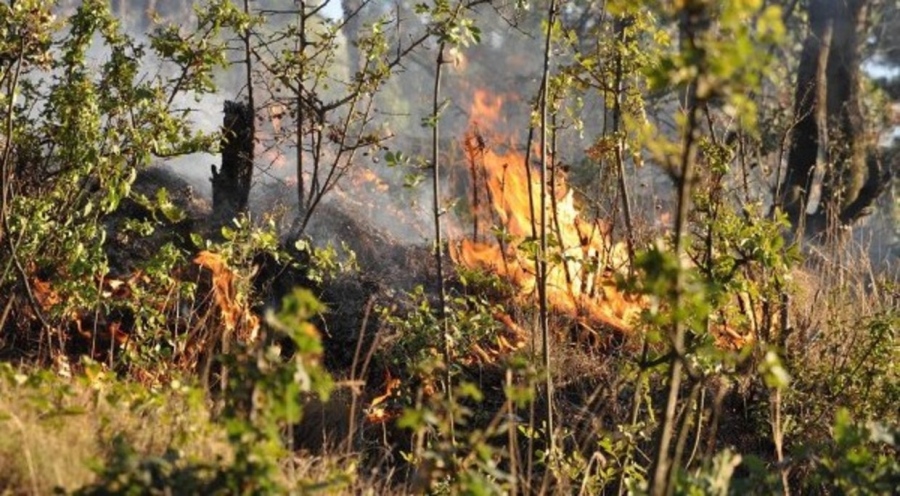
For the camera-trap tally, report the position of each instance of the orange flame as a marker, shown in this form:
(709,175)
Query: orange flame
(486,109)
(505,200)
(235,314)
(378,411)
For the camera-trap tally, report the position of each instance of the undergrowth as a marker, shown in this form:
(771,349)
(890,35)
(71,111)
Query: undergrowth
(144,355)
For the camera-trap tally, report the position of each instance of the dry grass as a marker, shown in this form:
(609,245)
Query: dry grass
(55,430)
(37,455)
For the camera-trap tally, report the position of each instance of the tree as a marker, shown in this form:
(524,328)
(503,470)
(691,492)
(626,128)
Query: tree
(75,134)
(231,184)
(829,126)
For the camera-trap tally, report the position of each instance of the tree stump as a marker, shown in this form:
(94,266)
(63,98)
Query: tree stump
(231,183)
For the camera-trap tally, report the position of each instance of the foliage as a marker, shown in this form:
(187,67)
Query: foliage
(77,133)
(862,458)
(469,318)
(265,395)
(68,426)
(741,354)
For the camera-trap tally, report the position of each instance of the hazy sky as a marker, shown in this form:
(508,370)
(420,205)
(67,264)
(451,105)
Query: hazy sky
(333,10)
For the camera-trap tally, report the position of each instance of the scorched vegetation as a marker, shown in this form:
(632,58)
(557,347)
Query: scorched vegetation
(451,247)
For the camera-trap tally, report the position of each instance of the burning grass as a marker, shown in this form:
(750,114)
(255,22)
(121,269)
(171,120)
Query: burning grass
(504,199)
(387,430)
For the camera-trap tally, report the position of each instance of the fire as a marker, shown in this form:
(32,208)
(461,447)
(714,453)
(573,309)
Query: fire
(504,193)
(486,109)
(378,411)
(90,324)
(236,316)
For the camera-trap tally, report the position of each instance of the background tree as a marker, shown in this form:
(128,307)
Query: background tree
(830,129)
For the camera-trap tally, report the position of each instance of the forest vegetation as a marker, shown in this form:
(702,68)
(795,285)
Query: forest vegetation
(449,247)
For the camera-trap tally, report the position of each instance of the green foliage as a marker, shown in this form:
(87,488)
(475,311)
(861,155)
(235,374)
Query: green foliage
(327,263)
(131,473)
(863,459)
(477,464)
(657,274)
(75,132)
(265,396)
(855,367)
(469,318)
(714,479)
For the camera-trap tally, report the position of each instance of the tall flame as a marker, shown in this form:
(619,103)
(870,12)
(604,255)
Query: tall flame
(504,200)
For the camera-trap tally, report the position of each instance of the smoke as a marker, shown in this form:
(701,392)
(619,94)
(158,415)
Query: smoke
(506,64)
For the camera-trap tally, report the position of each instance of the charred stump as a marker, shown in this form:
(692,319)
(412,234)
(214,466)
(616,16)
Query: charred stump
(231,183)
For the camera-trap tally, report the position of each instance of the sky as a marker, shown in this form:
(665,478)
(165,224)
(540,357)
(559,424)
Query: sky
(333,10)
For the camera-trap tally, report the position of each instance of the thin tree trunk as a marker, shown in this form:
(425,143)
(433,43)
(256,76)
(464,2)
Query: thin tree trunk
(621,24)
(663,469)
(438,240)
(542,256)
(301,114)
(554,205)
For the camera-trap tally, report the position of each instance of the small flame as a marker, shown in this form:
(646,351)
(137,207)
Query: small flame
(45,295)
(378,411)
(235,314)
(486,109)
